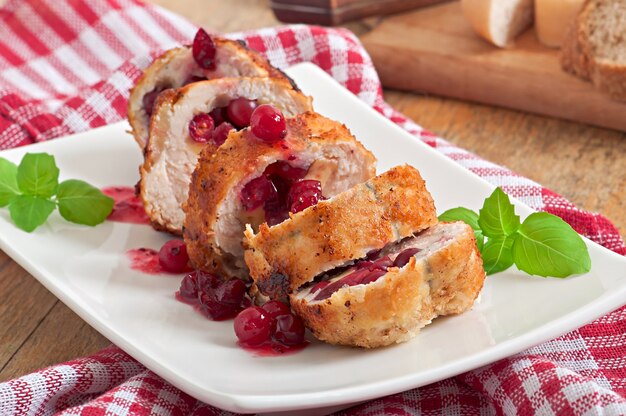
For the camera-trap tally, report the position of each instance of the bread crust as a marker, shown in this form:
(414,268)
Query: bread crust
(367,217)
(170,156)
(578,57)
(219,177)
(479,14)
(575,51)
(396,306)
(175,66)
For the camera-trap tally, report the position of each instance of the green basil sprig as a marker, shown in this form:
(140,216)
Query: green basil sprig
(31,192)
(542,245)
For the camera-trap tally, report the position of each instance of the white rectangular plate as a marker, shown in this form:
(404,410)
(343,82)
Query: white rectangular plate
(87,269)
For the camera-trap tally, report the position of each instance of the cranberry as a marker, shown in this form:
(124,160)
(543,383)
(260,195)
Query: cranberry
(403,258)
(206,282)
(218,115)
(173,257)
(189,287)
(193,79)
(273,308)
(253,326)
(383,263)
(275,212)
(257,192)
(203,50)
(289,329)
(268,124)
(365,264)
(197,282)
(304,194)
(220,134)
(285,171)
(149,99)
(351,279)
(303,201)
(201,128)
(319,286)
(231,292)
(372,255)
(372,276)
(240,110)
(368,273)
(214,309)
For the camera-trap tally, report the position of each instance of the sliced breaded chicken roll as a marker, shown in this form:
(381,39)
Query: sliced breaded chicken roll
(249,181)
(210,57)
(330,234)
(388,298)
(195,117)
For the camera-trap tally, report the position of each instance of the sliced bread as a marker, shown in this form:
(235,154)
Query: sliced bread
(499,21)
(595,47)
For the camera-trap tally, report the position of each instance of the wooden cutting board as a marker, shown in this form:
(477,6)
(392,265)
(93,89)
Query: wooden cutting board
(434,50)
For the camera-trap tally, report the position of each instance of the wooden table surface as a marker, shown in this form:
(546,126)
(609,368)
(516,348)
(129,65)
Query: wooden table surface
(585,164)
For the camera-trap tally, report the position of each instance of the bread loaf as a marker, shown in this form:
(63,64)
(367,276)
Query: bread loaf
(553,18)
(595,46)
(499,21)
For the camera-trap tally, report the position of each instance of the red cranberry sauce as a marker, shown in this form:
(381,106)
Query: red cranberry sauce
(280,190)
(215,298)
(144,260)
(128,207)
(273,349)
(150,98)
(363,272)
(268,330)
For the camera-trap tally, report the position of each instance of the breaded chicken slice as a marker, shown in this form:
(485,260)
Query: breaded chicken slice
(177,67)
(389,207)
(171,153)
(314,149)
(389,298)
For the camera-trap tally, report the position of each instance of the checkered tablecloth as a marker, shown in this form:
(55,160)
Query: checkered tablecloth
(66,66)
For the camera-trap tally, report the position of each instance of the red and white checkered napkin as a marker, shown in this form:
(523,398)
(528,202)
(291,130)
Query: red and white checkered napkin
(66,66)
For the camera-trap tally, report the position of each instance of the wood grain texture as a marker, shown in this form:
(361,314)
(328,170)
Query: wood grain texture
(435,50)
(585,164)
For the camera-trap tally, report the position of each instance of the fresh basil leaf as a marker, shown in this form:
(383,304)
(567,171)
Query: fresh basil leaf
(497,254)
(8,182)
(480,240)
(29,212)
(38,175)
(497,216)
(470,218)
(547,246)
(82,203)
(461,214)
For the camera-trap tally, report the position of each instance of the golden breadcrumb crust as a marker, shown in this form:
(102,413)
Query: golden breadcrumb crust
(394,308)
(367,217)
